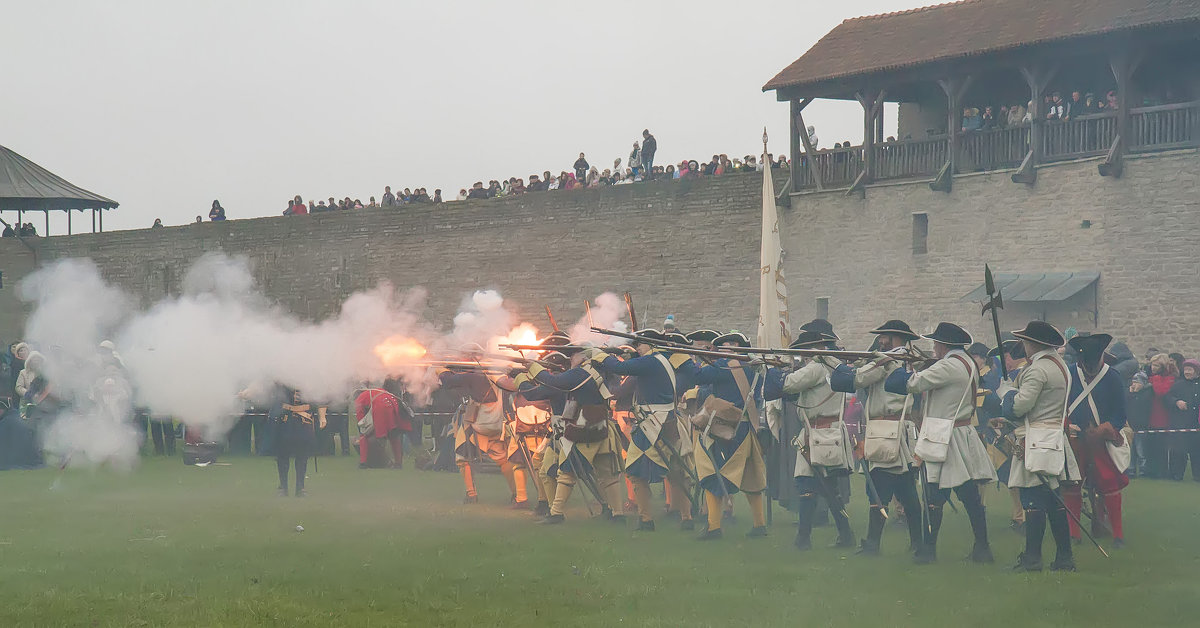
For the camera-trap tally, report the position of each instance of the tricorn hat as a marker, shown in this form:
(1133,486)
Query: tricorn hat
(733,337)
(703,335)
(1011,347)
(649,334)
(1091,347)
(820,325)
(896,328)
(555,339)
(556,357)
(979,349)
(950,334)
(677,338)
(1042,333)
(808,338)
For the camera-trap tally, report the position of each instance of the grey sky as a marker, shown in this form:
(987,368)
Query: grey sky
(165,106)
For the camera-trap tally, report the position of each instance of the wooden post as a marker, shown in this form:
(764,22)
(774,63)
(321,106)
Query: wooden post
(102,221)
(93,221)
(47,222)
(806,140)
(68,222)
(1037,77)
(1123,63)
(955,90)
(872,104)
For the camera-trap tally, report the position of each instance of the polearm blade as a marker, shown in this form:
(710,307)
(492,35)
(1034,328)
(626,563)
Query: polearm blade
(632,314)
(995,302)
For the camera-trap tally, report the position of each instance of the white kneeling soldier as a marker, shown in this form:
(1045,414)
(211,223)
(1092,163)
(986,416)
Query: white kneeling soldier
(948,447)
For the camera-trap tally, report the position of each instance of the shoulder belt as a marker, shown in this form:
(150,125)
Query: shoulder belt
(596,377)
(1088,387)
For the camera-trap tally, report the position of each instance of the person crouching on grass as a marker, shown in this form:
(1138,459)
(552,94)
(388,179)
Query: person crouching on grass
(381,416)
(296,425)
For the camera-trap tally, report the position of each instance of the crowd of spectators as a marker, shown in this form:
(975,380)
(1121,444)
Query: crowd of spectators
(1055,107)
(24,230)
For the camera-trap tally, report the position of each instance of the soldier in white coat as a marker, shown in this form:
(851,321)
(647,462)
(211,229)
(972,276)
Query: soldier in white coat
(948,446)
(1038,408)
(823,444)
(890,434)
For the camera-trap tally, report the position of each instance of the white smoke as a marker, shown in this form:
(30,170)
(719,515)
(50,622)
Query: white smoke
(606,312)
(190,356)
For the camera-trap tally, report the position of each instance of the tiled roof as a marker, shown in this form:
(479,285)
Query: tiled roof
(904,39)
(25,185)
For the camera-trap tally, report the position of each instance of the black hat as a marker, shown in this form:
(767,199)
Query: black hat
(1091,347)
(950,334)
(820,325)
(677,338)
(556,339)
(649,334)
(979,349)
(807,339)
(896,328)
(556,357)
(735,337)
(1042,333)
(703,335)
(1011,347)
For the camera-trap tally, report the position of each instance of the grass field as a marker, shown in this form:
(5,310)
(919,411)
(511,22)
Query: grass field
(181,546)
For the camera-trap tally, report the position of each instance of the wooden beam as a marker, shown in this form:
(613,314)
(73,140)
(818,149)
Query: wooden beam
(955,89)
(48,223)
(1038,77)
(809,151)
(872,104)
(1124,63)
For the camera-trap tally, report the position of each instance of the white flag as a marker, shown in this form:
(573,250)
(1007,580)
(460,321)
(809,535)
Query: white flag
(774,329)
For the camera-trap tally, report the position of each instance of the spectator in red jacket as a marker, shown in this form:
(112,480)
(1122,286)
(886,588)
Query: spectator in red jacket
(1163,372)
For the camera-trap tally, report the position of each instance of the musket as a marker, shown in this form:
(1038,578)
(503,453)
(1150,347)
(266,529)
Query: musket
(517,347)
(727,352)
(553,323)
(588,307)
(995,302)
(632,314)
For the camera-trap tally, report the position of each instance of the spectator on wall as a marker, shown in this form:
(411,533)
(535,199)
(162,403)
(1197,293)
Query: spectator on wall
(437,196)
(1056,109)
(200,219)
(462,195)
(157,224)
(649,148)
(971,121)
(1075,106)
(635,159)
(581,167)
(389,199)
(217,213)
(9,232)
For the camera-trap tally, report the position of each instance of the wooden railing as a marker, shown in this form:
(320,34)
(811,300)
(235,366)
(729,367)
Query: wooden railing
(1082,136)
(993,149)
(1161,127)
(1165,126)
(838,167)
(909,158)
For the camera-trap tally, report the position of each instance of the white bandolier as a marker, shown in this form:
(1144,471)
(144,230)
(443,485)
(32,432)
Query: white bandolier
(949,450)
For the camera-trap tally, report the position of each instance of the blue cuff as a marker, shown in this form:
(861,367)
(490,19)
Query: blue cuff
(773,384)
(1006,407)
(842,379)
(897,382)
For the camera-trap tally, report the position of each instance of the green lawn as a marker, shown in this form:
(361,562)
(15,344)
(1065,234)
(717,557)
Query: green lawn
(174,545)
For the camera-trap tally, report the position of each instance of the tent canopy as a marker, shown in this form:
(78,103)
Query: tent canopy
(26,186)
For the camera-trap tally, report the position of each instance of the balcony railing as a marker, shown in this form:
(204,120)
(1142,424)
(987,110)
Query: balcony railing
(1161,127)
(1165,126)
(910,158)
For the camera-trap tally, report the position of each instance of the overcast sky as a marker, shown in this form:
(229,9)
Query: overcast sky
(165,106)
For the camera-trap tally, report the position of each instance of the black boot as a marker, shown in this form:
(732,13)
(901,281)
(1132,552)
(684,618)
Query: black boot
(845,536)
(982,551)
(1060,529)
(914,530)
(806,507)
(927,553)
(1035,529)
(542,509)
(870,545)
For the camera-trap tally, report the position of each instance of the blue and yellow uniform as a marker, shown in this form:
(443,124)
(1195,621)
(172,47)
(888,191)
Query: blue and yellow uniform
(482,432)
(727,465)
(587,443)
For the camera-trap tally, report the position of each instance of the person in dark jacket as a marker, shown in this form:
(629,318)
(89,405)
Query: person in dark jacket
(1123,361)
(1183,408)
(1137,411)
(296,424)
(581,168)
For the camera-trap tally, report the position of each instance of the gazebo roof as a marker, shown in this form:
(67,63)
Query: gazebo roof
(27,186)
(907,39)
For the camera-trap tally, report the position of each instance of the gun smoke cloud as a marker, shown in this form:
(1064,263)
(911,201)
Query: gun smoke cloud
(190,355)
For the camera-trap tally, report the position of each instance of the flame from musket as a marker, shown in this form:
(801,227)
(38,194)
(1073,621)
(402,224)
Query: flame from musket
(399,351)
(523,334)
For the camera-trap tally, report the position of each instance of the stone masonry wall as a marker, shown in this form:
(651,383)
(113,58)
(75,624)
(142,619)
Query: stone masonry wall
(691,248)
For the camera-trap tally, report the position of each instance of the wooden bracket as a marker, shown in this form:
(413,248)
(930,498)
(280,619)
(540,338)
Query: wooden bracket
(944,180)
(1027,173)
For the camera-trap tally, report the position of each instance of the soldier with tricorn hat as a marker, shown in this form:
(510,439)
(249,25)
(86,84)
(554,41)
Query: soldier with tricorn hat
(1097,433)
(948,445)
(1039,406)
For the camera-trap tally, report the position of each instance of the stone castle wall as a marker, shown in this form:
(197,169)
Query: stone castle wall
(691,249)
